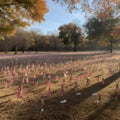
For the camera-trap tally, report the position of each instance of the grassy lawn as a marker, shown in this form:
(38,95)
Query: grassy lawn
(52,71)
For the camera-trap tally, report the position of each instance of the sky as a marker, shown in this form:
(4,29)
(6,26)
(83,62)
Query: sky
(57,16)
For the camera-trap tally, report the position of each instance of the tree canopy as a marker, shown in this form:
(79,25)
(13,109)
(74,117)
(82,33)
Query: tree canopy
(116,32)
(100,8)
(103,30)
(19,13)
(70,33)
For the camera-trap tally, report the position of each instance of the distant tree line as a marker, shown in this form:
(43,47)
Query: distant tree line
(100,35)
(31,41)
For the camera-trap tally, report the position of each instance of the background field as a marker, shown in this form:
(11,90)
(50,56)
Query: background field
(66,68)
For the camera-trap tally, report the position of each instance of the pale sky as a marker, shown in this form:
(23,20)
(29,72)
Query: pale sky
(57,16)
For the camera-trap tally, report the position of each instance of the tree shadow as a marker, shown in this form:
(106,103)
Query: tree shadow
(2,88)
(56,111)
(4,102)
(111,104)
(15,93)
(87,92)
(38,91)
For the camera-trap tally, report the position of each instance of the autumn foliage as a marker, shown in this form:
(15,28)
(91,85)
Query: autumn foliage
(116,32)
(20,13)
(103,9)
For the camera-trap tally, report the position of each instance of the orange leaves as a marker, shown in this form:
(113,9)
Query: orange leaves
(112,0)
(102,8)
(105,15)
(35,10)
(101,15)
(40,9)
(20,13)
(71,4)
(116,32)
(29,9)
(109,8)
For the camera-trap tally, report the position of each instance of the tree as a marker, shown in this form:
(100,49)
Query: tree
(70,33)
(21,40)
(103,8)
(20,13)
(35,38)
(54,41)
(6,45)
(116,32)
(24,40)
(97,29)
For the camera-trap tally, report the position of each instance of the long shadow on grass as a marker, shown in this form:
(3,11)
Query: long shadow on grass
(87,92)
(4,102)
(112,104)
(8,95)
(73,100)
(56,111)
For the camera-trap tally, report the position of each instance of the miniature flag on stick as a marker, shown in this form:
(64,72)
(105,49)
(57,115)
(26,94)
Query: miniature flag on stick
(23,81)
(19,93)
(57,78)
(6,84)
(49,92)
(78,77)
(42,101)
(26,74)
(87,82)
(71,77)
(117,89)
(103,81)
(11,80)
(62,87)
(97,78)
(65,74)
(34,76)
(49,77)
(27,80)
(48,83)
(76,86)
(36,83)
(99,100)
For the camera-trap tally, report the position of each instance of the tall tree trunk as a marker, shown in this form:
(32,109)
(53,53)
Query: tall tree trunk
(6,51)
(54,45)
(107,47)
(15,49)
(111,46)
(36,49)
(36,46)
(75,45)
(23,51)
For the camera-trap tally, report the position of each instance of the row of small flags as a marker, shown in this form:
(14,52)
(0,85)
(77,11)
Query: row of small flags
(12,72)
(75,88)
